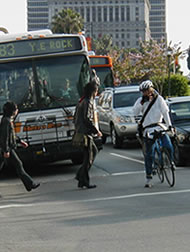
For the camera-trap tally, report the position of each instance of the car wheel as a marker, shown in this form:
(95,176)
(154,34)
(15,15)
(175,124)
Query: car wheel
(104,137)
(177,155)
(116,140)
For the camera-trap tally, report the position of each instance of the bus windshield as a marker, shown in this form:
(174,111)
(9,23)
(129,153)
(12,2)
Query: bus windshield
(47,82)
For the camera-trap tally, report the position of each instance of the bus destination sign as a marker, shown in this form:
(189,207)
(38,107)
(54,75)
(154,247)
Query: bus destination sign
(98,61)
(42,46)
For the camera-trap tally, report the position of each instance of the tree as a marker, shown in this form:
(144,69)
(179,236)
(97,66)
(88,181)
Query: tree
(136,65)
(67,21)
(102,45)
(179,85)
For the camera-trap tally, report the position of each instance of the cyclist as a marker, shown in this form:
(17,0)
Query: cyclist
(152,121)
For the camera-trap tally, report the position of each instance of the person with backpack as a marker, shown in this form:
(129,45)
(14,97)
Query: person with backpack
(8,144)
(153,109)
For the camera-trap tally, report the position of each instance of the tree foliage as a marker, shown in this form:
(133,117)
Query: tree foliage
(67,21)
(137,65)
(151,61)
(102,45)
(178,85)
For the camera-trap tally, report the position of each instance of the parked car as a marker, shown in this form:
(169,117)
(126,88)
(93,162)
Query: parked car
(115,114)
(180,116)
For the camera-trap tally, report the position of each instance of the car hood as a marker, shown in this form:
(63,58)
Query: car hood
(125,111)
(185,126)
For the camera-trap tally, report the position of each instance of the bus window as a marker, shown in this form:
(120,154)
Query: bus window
(103,67)
(49,83)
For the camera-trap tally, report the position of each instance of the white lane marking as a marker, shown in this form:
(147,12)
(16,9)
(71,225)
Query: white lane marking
(137,195)
(96,199)
(16,205)
(135,160)
(128,158)
(127,173)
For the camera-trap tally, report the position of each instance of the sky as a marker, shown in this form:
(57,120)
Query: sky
(13,16)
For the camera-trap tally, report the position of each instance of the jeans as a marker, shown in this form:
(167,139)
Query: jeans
(150,146)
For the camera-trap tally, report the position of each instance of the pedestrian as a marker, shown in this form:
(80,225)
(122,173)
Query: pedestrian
(153,109)
(85,125)
(8,144)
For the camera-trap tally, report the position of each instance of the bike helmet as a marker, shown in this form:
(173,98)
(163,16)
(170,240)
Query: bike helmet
(145,85)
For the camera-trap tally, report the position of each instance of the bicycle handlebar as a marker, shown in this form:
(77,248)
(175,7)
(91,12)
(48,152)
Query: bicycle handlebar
(159,133)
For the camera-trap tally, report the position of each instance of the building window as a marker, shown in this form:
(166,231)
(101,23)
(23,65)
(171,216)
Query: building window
(122,14)
(128,13)
(111,14)
(105,14)
(88,14)
(94,14)
(116,14)
(99,14)
(82,12)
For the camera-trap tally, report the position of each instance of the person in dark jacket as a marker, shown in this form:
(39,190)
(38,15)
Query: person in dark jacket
(85,123)
(8,144)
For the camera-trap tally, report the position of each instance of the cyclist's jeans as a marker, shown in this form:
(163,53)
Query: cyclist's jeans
(149,152)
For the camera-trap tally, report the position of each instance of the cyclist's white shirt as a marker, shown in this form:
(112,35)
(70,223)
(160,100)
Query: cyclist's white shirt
(156,114)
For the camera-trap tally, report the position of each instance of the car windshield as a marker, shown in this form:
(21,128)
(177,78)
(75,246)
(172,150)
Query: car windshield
(126,99)
(180,111)
(44,83)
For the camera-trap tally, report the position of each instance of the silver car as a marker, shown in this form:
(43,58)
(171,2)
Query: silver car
(115,114)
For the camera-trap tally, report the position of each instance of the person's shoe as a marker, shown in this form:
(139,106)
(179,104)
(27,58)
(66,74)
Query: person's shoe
(148,183)
(82,185)
(91,186)
(35,185)
(173,166)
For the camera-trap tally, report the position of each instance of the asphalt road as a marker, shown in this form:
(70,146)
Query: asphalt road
(120,215)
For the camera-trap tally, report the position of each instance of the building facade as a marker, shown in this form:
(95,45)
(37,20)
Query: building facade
(126,21)
(158,19)
(37,14)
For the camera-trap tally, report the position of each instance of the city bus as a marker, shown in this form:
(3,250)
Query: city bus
(44,74)
(103,66)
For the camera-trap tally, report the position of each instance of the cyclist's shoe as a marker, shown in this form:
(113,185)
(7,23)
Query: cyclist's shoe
(173,166)
(148,183)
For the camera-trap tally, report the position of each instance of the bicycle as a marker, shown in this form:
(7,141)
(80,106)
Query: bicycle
(163,166)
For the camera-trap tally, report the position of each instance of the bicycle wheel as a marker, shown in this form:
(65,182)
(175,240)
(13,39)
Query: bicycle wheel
(168,167)
(158,166)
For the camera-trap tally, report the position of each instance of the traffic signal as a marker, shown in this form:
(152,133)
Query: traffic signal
(176,61)
(188,60)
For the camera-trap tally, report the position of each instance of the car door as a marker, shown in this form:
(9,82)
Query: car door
(103,110)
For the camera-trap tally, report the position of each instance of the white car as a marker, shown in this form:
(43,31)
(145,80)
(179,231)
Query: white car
(115,113)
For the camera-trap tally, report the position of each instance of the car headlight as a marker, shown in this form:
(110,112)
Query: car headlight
(183,138)
(123,119)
